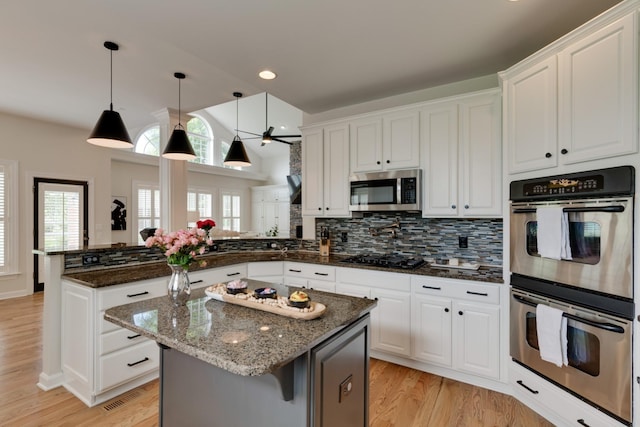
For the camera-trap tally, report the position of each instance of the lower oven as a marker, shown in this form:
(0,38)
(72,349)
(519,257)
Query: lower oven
(599,350)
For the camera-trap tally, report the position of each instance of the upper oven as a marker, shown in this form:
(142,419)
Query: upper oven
(599,224)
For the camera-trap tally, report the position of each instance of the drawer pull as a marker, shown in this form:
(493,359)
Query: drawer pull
(233,274)
(482,294)
(295,271)
(435,288)
(132,337)
(196,281)
(137,295)
(321,274)
(528,388)
(138,362)
(581,422)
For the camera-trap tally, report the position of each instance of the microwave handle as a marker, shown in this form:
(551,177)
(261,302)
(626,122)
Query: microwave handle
(610,209)
(606,326)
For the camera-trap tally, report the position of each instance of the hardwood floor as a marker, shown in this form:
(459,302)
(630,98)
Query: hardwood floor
(399,396)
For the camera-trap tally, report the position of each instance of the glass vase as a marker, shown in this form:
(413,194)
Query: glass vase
(179,287)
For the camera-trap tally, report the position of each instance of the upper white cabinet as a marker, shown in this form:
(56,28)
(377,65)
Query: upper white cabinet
(325,171)
(386,142)
(576,104)
(461,157)
(270,210)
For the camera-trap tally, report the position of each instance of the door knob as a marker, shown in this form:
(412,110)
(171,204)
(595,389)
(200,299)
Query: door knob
(564,151)
(547,155)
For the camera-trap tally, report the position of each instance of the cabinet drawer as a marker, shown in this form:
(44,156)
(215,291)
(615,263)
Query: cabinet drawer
(321,285)
(426,285)
(127,364)
(469,291)
(118,339)
(310,271)
(269,268)
(478,292)
(374,278)
(125,294)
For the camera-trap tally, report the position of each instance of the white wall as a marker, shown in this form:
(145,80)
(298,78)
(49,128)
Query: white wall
(277,169)
(48,150)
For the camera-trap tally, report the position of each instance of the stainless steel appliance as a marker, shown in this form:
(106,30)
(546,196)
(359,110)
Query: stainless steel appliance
(397,190)
(594,289)
(600,211)
(388,261)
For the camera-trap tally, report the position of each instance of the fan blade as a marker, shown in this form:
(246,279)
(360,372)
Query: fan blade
(281,140)
(250,133)
(268,132)
(286,136)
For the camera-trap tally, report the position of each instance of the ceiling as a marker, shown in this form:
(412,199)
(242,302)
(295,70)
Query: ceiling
(327,54)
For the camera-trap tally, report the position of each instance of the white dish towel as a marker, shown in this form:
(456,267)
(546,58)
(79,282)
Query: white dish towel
(551,327)
(553,233)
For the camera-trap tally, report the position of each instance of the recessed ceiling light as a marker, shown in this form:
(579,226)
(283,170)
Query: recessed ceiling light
(267,74)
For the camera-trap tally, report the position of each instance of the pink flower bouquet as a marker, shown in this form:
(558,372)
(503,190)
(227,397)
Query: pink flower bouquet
(182,246)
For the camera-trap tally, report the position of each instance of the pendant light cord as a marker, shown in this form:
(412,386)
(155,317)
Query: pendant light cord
(237,110)
(111,80)
(179,103)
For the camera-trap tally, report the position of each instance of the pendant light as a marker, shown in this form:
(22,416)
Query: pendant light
(179,147)
(237,156)
(110,131)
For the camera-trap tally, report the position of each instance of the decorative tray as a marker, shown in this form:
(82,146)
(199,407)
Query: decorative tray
(276,305)
(463,266)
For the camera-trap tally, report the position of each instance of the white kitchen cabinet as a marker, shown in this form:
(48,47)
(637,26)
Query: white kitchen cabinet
(325,171)
(312,276)
(386,142)
(267,271)
(391,319)
(456,324)
(211,276)
(577,102)
(461,157)
(270,208)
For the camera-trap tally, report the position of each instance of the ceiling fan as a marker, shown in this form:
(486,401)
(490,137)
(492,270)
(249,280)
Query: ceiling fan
(268,136)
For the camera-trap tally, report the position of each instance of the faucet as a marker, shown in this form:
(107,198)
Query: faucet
(389,228)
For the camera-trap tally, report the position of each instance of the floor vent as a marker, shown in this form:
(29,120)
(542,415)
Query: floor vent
(121,401)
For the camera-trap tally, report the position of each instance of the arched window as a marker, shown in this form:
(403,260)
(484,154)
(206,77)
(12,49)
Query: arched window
(201,139)
(149,141)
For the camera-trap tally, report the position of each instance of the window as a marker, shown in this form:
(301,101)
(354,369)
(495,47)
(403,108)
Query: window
(230,211)
(8,215)
(149,141)
(201,202)
(201,138)
(148,208)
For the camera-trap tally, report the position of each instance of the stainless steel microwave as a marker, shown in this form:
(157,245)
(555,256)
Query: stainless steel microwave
(397,190)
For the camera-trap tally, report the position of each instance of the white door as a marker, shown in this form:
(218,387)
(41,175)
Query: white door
(61,216)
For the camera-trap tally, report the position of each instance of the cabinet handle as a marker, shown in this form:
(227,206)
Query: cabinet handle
(321,274)
(460,313)
(466,206)
(548,155)
(482,294)
(196,281)
(446,310)
(378,162)
(132,337)
(435,288)
(233,274)
(376,299)
(528,388)
(327,208)
(295,271)
(137,295)
(453,206)
(319,209)
(138,362)
(564,151)
(581,421)
(388,161)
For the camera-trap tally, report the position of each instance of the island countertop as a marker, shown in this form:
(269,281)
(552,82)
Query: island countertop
(241,340)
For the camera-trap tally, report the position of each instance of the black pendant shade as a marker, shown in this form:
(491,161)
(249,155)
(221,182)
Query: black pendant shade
(110,131)
(237,155)
(179,147)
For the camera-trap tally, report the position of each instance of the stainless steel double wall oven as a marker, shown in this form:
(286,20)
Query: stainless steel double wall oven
(594,288)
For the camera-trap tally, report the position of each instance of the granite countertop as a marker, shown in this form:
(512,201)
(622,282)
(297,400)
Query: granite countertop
(241,340)
(110,276)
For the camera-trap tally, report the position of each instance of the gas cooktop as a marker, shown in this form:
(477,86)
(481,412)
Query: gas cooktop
(389,261)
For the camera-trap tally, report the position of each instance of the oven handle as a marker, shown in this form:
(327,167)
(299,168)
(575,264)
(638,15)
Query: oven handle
(611,209)
(606,326)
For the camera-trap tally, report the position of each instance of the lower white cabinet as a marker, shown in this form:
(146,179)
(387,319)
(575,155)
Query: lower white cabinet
(268,271)
(312,276)
(457,325)
(556,405)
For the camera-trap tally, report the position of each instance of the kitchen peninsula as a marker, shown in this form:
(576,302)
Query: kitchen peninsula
(226,365)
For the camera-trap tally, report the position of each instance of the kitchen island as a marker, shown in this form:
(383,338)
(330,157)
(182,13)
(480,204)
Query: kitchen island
(228,365)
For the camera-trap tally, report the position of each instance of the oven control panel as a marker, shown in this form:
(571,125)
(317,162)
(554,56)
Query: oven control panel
(564,186)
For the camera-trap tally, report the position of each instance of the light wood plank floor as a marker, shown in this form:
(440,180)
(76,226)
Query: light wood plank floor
(399,397)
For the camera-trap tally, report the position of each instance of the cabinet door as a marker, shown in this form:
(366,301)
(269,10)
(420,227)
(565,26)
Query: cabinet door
(400,142)
(365,138)
(481,157)
(283,211)
(477,331)
(531,117)
(431,326)
(312,173)
(391,322)
(599,94)
(439,137)
(336,171)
